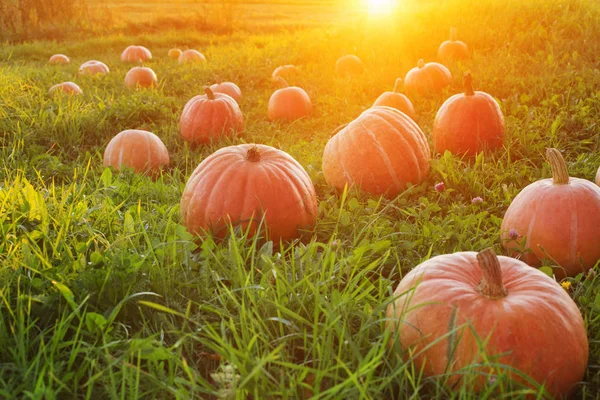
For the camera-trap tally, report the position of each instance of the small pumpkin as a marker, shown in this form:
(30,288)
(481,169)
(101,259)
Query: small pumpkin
(236,185)
(469,122)
(444,308)
(140,77)
(136,54)
(427,78)
(381,152)
(174,54)
(349,65)
(192,56)
(66,87)
(285,72)
(93,67)
(209,116)
(397,100)
(139,150)
(228,88)
(558,219)
(59,59)
(452,50)
(289,103)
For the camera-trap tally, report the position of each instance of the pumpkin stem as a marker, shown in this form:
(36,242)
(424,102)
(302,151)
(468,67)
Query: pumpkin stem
(253,154)
(398,85)
(452,34)
(282,82)
(421,63)
(491,284)
(469,84)
(560,174)
(209,93)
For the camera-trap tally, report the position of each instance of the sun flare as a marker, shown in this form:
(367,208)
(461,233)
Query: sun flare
(381,7)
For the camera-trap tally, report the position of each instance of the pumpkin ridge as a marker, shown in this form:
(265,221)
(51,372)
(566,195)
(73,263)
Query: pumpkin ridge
(384,156)
(297,174)
(574,229)
(228,170)
(290,179)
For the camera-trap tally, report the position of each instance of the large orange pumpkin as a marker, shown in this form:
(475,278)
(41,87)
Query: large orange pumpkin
(380,152)
(136,54)
(241,185)
(468,123)
(66,87)
(192,56)
(139,150)
(427,78)
(59,59)
(558,219)
(228,88)
(452,50)
(209,116)
(285,72)
(397,100)
(349,65)
(140,76)
(289,103)
(174,54)
(93,67)
(445,307)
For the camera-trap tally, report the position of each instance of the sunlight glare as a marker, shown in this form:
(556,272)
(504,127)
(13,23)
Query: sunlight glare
(381,8)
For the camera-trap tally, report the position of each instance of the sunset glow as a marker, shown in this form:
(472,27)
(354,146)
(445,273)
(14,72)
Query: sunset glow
(380,8)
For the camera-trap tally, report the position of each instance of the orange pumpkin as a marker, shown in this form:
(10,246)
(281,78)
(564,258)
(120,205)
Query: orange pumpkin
(192,56)
(236,185)
(209,116)
(228,88)
(140,76)
(66,87)
(59,59)
(136,54)
(289,103)
(427,78)
(285,72)
(558,219)
(397,100)
(139,150)
(349,65)
(452,50)
(447,306)
(469,122)
(174,54)
(93,67)
(380,152)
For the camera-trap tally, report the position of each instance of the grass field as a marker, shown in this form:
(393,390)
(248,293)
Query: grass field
(104,294)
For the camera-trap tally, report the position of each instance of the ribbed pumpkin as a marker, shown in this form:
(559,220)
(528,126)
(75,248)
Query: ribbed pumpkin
(140,77)
(135,54)
(427,78)
(240,185)
(174,54)
(93,67)
(228,88)
(349,65)
(452,50)
(140,150)
(192,56)
(59,59)
(468,123)
(558,219)
(380,152)
(397,100)
(289,103)
(528,322)
(285,72)
(209,116)
(66,87)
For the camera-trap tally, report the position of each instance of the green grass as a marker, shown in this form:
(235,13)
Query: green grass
(103,294)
